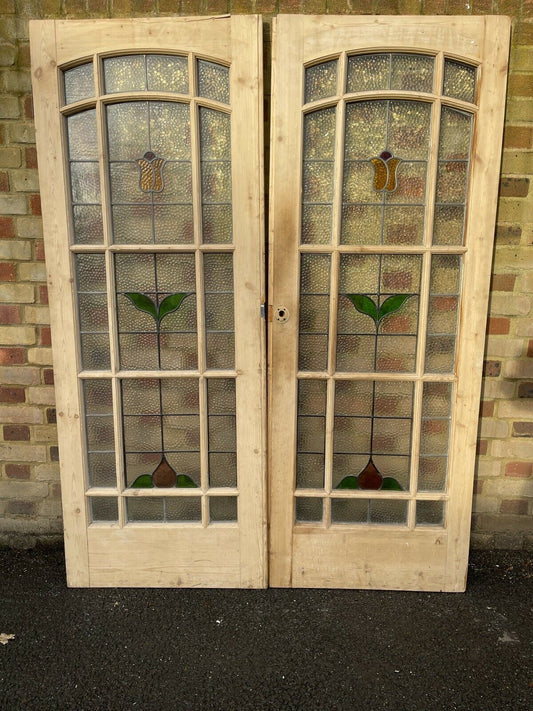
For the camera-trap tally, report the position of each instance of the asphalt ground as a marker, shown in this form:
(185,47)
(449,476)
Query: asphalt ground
(265,650)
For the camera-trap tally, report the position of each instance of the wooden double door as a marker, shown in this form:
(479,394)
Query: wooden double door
(385,144)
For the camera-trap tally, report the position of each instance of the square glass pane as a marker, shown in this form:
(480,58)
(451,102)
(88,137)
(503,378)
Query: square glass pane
(222,469)
(141,510)
(412,72)
(213,81)
(85,182)
(309,471)
(430,513)
(316,224)
(79,83)
(104,509)
(166,72)
(217,224)
(223,508)
(349,510)
(98,397)
(448,224)
(82,136)
(388,512)
(127,73)
(455,134)
(183,508)
(308,510)
(215,134)
(368,72)
(432,473)
(320,81)
(319,134)
(459,80)
(87,224)
(102,469)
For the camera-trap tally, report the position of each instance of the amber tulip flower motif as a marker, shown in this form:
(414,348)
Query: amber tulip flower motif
(385,167)
(151,178)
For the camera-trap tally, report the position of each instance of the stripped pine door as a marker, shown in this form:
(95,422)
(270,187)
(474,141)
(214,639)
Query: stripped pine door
(149,134)
(386,141)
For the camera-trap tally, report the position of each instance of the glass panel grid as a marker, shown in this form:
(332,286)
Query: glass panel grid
(381,71)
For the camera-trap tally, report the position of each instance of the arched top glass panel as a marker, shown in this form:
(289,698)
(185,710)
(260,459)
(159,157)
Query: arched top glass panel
(381,71)
(146,72)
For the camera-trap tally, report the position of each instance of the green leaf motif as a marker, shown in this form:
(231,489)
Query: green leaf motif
(365,305)
(390,484)
(392,304)
(169,304)
(349,482)
(185,482)
(144,481)
(143,303)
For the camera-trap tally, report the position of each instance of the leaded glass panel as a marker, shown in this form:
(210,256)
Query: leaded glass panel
(78,83)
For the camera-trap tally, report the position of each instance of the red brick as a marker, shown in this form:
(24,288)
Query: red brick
(519,470)
(16,433)
(486,408)
(9,313)
(43,294)
(514,187)
(4,182)
(28,107)
(31,157)
(522,429)
(482,446)
(514,506)
(45,338)
(18,471)
(51,416)
(478,486)
(7,227)
(11,394)
(54,454)
(491,368)
(530,349)
(503,282)
(525,389)
(498,326)
(518,137)
(12,356)
(35,204)
(7,271)
(39,250)
(48,376)
(21,508)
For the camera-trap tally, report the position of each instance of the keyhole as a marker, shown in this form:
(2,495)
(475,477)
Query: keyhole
(282,314)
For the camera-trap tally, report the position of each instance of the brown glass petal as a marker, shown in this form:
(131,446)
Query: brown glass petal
(370,478)
(164,476)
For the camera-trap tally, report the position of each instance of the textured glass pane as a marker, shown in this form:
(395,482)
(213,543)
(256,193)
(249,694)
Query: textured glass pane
(127,130)
(181,433)
(309,471)
(308,509)
(215,135)
(90,272)
(216,181)
(452,178)
(219,310)
(102,471)
(223,508)
(145,509)
(85,182)
(366,129)
(388,512)
(448,225)
(434,436)
(358,184)
(314,276)
(82,137)
(221,396)
(319,134)
(177,183)
(100,434)
(349,510)
(145,463)
(183,508)
(126,73)
(459,80)
(411,188)
(408,129)
(213,81)
(455,134)
(312,397)
(170,130)
(436,401)
(432,473)
(318,181)
(320,81)
(87,224)
(429,513)
(93,312)
(223,469)
(311,434)
(412,72)
(222,433)
(79,83)
(361,224)
(104,509)
(368,72)
(403,225)
(440,354)
(220,350)
(167,73)
(316,224)
(348,465)
(217,224)
(95,351)
(445,274)
(436,407)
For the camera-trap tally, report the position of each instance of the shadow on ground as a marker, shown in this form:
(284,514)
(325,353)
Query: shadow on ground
(268,650)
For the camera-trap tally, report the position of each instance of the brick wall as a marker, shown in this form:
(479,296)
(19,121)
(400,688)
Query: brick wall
(29,477)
